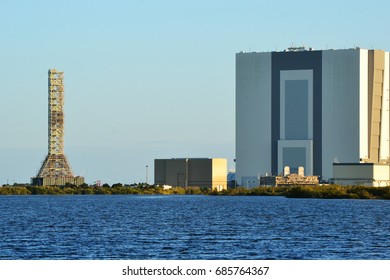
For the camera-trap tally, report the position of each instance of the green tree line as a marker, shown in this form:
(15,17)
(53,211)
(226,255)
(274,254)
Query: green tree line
(325,191)
(116,189)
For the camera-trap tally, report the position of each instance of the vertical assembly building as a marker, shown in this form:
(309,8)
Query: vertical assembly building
(55,169)
(323,110)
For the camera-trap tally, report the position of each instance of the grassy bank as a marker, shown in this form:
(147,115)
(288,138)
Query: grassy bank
(326,191)
(339,192)
(94,190)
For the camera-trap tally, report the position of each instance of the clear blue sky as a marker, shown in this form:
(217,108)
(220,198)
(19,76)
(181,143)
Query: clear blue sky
(149,79)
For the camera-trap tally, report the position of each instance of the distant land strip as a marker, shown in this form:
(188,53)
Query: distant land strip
(323,191)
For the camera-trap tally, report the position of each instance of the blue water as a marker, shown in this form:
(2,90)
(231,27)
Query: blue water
(192,227)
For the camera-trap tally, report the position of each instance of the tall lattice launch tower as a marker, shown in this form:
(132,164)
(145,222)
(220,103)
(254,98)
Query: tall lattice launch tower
(55,169)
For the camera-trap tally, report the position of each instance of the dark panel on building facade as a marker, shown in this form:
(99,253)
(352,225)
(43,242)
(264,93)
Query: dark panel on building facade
(296,110)
(302,60)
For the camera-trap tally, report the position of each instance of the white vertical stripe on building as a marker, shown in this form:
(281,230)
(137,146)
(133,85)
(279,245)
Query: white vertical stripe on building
(363,104)
(385,127)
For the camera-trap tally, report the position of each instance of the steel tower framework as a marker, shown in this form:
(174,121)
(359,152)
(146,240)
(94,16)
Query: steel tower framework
(56,164)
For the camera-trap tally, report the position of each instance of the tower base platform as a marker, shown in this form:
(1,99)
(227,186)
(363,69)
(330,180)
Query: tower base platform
(57,181)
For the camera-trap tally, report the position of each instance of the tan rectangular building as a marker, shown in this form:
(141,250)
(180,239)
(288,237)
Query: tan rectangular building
(362,174)
(191,172)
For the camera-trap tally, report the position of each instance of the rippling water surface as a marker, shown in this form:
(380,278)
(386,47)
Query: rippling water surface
(192,227)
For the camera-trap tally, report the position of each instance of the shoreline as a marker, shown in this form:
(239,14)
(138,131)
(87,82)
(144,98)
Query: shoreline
(324,192)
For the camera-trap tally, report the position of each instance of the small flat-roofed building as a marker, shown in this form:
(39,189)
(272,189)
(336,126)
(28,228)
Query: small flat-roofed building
(361,174)
(192,172)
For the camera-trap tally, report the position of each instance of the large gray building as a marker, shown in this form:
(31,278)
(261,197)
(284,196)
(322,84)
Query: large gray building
(310,108)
